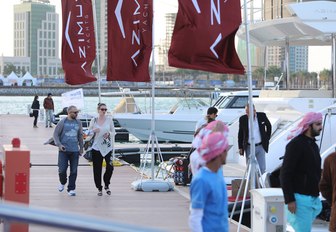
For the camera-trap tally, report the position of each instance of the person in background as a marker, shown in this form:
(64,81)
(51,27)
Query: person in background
(103,129)
(196,161)
(328,187)
(208,194)
(68,137)
(211,116)
(48,105)
(36,108)
(300,173)
(262,134)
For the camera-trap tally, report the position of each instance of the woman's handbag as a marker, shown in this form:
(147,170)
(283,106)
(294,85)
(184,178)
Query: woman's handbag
(88,142)
(88,148)
(31,114)
(88,155)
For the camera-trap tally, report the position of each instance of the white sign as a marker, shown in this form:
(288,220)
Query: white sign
(74,97)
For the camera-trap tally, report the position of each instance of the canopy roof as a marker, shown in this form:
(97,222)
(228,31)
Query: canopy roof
(13,76)
(28,76)
(312,23)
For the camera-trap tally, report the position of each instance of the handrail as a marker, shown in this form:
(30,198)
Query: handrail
(64,220)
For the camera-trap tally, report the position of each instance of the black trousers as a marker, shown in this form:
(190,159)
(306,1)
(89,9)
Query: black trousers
(97,161)
(35,114)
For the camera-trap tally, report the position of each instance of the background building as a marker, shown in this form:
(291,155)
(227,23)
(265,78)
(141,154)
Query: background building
(164,45)
(298,55)
(21,64)
(36,35)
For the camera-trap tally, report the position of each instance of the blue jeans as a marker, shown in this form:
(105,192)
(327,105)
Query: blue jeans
(63,159)
(49,117)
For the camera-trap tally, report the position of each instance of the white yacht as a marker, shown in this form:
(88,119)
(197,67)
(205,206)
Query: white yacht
(284,108)
(178,125)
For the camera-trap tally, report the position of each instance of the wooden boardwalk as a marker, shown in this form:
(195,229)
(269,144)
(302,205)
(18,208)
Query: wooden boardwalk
(165,210)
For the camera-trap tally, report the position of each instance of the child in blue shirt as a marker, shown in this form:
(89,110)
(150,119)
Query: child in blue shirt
(209,206)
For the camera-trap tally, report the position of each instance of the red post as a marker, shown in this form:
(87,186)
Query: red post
(16,178)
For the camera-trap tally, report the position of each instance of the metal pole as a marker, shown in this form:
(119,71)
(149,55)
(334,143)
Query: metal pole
(287,62)
(97,48)
(63,220)
(251,110)
(265,66)
(153,97)
(333,63)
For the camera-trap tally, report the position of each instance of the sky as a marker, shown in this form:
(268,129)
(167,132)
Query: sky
(319,57)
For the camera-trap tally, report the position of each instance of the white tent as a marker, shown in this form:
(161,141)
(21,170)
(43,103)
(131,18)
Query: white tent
(11,79)
(28,79)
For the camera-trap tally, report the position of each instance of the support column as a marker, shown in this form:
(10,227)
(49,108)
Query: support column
(333,63)
(265,66)
(287,62)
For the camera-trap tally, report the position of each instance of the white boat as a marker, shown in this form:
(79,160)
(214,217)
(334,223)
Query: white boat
(284,109)
(178,125)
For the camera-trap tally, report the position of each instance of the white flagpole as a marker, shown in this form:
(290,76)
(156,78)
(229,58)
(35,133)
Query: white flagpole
(252,167)
(153,184)
(152,136)
(97,47)
(250,98)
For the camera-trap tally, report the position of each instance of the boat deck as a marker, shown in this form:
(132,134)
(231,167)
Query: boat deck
(165,210)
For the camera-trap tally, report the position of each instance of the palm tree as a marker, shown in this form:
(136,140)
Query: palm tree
(325,77)
(8,69)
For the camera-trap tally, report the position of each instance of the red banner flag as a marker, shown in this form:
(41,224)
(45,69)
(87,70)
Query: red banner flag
(78,41)
(129,40)
(203,36)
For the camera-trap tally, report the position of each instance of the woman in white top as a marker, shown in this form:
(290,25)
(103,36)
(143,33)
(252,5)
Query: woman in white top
(102,147)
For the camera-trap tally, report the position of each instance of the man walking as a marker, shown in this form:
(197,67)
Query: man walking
(48,105)
(301,172)
(262,134)
(68,136)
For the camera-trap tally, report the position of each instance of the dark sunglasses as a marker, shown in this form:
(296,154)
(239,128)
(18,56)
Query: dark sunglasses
(103,109)
(74,112)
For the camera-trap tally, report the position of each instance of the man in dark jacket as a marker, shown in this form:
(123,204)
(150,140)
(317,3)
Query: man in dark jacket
(262,134)
(48,105)
(301,172)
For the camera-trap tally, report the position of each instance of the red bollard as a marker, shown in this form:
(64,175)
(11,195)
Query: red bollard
(16,178)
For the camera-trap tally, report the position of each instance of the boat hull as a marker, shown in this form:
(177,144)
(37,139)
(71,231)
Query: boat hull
(167,127)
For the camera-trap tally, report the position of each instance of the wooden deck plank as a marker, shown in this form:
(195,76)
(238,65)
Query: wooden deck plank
(165,210)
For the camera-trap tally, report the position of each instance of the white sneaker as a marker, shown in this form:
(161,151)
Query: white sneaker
(72,193)
(61,187)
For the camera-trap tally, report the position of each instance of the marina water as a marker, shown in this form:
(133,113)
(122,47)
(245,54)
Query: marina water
(19,104)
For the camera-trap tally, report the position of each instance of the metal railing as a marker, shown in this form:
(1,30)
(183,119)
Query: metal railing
(11,213)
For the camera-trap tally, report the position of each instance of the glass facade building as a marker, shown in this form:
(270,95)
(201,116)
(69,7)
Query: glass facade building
(36,35)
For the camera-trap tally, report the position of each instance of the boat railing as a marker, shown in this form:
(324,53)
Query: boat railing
(12,213)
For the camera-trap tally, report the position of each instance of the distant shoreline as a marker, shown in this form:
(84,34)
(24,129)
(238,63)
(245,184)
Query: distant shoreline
(93,91)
